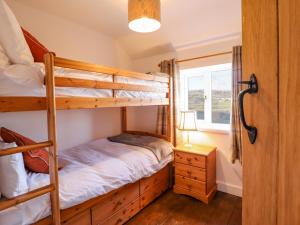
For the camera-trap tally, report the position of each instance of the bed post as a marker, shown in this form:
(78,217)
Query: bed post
(51,119)
(170,112)
(124,119)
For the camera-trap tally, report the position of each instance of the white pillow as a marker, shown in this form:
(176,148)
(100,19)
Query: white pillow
(4,60)
(13,176)
(25,75)
(12,38)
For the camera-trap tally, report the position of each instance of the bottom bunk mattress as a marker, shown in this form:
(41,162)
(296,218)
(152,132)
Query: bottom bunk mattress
(89,170)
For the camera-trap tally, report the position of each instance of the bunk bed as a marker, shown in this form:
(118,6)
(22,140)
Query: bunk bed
(119,205)
(119,88)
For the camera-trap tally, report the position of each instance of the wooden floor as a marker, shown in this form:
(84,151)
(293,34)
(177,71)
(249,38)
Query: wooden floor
(173,209)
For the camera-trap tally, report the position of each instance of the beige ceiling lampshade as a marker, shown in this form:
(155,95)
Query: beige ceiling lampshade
(144,15)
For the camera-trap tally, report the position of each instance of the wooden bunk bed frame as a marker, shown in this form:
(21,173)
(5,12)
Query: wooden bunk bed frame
(14,104)
(115,207)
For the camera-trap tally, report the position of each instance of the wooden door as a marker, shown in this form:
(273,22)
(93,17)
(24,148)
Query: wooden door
(289,113)
(260,160)
(271,50)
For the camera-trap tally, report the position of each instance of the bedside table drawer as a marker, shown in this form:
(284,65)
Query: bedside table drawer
(190,172)
(189,184)
(190,159)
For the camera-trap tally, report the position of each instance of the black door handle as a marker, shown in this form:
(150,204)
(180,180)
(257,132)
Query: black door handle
(252,89)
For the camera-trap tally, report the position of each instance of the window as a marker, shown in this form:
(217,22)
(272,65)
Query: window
(207,90)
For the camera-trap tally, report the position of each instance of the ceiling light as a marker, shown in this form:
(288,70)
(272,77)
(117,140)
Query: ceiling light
(144,15)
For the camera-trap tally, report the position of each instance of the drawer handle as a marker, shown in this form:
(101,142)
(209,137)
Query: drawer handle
(119,203)
(189,173)
(189,160)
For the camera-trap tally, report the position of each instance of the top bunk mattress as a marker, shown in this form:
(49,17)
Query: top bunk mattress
(89,170)
(28,80)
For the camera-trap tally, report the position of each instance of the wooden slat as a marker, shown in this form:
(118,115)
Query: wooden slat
(148,134)
(25,197)
(83,83)
(17,104)
(10,151)
(87,103)
(72,64)
(51,122)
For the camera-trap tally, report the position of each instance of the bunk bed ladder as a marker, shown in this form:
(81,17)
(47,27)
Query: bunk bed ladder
(51,119)
(52,188)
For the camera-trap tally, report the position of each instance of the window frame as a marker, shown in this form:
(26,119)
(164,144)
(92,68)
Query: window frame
(206,124)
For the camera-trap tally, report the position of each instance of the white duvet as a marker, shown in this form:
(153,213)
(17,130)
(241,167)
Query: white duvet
(89,170)
(27,80)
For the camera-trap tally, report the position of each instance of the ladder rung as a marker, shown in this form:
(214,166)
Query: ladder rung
(24,148)
(25,197)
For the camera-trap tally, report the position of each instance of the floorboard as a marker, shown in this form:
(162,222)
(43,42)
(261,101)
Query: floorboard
(174,209)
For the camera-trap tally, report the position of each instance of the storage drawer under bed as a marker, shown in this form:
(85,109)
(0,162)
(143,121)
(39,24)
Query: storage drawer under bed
(83,218)
(153,192)
(114,202)
(148,182)
(123,215)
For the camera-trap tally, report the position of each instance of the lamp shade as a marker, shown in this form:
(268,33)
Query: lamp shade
(187,121)
(144,15)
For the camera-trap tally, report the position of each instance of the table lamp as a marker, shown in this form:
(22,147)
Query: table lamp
(188,123)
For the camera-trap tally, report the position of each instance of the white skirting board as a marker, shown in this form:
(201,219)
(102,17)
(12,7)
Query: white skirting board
(230,188)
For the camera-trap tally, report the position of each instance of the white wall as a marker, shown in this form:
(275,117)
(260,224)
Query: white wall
(74,126)
(150,64)
(142,118)
(73,41)
(229,176)
(68,39)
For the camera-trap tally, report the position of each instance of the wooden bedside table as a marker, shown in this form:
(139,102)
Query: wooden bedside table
(195,171)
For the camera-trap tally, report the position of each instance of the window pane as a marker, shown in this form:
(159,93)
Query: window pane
(221,96)
(196,97)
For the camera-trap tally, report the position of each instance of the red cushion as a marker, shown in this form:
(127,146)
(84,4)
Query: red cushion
(35,160)
(37,49)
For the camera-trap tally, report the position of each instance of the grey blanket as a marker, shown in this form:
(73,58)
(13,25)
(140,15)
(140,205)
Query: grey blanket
(159,147)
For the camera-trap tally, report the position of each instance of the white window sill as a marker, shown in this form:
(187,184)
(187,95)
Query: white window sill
(214,130)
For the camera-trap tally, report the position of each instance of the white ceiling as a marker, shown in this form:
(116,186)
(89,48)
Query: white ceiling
(184,22)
